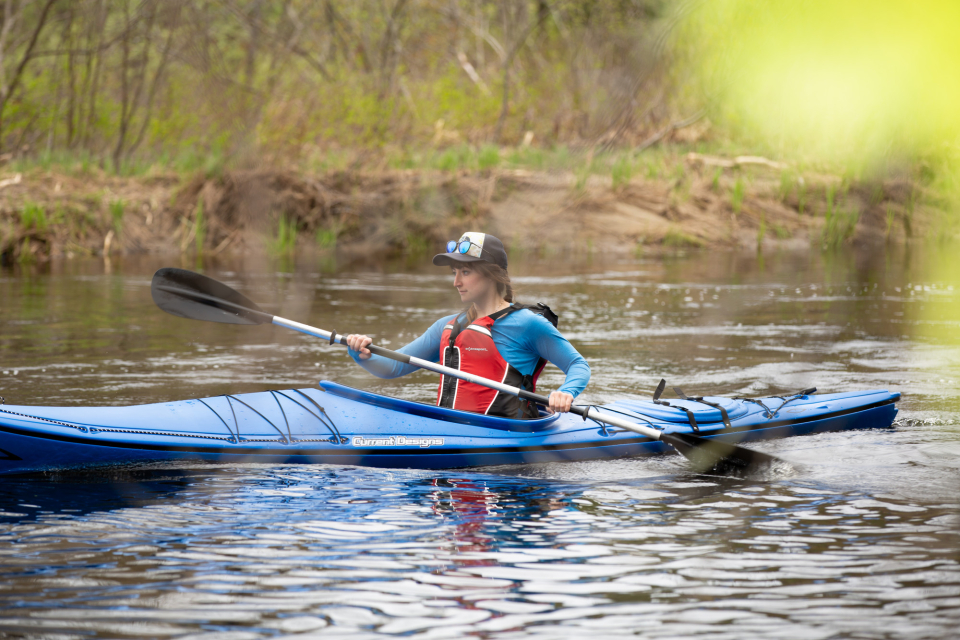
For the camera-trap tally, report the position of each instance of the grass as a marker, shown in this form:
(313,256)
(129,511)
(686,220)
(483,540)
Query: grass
(801,195)
(26,255)
(488,157)
(34,217)
(838,227)
(116,215)
(285,242)
(327,238)
(839,224)
(581,177)
(761,230)
(621,172)
(200,234)
(737,195)
(786,185)
(678,239)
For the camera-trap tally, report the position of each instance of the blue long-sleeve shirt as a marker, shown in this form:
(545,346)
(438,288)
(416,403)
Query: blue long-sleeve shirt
(522,338)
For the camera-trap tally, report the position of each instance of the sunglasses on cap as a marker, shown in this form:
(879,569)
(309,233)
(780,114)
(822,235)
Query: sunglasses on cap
(461,246)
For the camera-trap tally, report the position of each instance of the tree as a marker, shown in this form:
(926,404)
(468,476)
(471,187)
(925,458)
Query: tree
(17,44)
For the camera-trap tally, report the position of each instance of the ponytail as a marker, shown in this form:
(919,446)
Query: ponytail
(500,276)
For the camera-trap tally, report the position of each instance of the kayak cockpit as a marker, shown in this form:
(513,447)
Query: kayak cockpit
(438,413)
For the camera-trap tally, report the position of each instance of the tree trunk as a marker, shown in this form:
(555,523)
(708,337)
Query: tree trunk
(18,73)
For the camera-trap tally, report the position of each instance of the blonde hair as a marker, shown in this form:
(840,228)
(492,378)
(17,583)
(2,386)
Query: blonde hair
(500,276)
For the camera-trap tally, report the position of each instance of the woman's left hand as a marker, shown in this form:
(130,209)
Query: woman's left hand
(560,402)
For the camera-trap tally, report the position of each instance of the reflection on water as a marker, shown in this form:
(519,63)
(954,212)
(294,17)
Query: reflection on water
(366,551)
(861,540)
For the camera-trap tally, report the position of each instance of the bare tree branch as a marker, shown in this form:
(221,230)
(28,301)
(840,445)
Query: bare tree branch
(7,91)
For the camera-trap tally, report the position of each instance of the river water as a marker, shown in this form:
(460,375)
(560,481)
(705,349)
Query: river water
(861,539)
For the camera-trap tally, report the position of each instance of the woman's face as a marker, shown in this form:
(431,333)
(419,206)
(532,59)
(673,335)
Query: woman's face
(471,284)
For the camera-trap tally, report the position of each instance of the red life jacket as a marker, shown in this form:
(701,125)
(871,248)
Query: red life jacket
(471,349)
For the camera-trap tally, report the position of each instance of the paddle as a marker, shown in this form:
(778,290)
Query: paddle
(192,295)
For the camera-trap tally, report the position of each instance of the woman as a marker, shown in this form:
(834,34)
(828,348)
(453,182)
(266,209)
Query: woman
(494,338)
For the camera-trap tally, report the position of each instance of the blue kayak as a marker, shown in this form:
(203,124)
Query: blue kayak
(334,424)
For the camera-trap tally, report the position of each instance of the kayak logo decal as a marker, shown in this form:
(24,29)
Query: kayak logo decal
(6,455)
(397,441)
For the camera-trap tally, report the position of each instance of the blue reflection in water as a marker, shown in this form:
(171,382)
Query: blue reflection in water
(261,552)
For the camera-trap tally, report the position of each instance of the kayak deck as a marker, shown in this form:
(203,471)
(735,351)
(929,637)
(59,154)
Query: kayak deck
(336,424)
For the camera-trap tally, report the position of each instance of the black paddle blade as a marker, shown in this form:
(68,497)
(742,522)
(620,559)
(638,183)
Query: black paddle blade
(192,295)
(723,458)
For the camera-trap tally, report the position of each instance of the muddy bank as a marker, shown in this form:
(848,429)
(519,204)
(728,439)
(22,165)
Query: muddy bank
(706,202)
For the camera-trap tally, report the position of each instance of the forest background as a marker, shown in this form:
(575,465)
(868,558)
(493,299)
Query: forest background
(222,125)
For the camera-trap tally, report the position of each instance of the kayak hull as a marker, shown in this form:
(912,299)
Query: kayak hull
(334,424)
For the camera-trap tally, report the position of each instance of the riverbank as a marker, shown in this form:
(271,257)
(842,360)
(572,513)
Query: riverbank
(618,203)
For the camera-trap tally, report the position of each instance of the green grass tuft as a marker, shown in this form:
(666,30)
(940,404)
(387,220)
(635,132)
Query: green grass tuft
(327,238)
(715,183)
(838,227)
(678,239)
(33,217)
(116,215)
(737,195)
(622,171)
(200,233)
(285,242)
(489,157)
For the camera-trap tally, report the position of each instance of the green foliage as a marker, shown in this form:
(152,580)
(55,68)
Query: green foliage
(116,215)
(454,158)
(653,167)
(715,183)
(327,238)
(761,231)
(838,227)
(622,171)
(489,157)
(200,228)
(531,157)
(285,242)
(581,178)
(787,183)
(33,217)
(737,195)
(801,195)
(676,238)
(25,254)
(781,231)
(107,91)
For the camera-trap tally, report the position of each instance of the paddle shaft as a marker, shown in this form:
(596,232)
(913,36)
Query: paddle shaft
(587,412)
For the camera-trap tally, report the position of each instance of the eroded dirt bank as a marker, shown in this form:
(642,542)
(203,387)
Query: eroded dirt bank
(712,202)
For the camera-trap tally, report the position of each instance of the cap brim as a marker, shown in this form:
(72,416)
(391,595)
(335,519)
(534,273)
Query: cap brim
(445,259)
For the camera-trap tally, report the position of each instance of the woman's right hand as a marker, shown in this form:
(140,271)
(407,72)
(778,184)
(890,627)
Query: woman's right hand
(359,343)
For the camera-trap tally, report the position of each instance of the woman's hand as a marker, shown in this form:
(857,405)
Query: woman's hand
(560,402)
(359,343)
